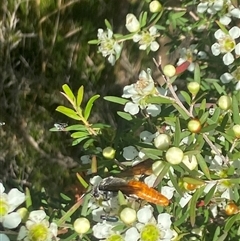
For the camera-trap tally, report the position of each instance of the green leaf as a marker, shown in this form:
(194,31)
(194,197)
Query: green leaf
(89,106)
(197,76)
(80,96)
(115,99)
(186,97)
(125,115)
(69,213)
(108,25)
(68,112)
(235,108)
(65,197)
(203,166)
(216,234)
(160,100)
(152,153)
(195,181)
(94,41)
(175,183)
(177,133)
(68,92)
(28,200)
(79,134)
(204,117)
(209,128)
(162,174)
(77,141)
(231,221)
(209,195)
(193,203)
(76,128)
(181,111)
(216,115)
(143,19)
(219,88)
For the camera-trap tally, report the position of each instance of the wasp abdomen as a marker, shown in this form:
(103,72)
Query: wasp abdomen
(147,193)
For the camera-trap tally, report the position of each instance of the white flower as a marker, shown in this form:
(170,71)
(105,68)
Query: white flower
(234,76)
(147,40)
(148,228)
(232,11)
(4,237)
(38,228)
(132,24)
(139,93)
(108,46)
(211,6)
(8,203)
(104,231)
(226,44)
(130,152)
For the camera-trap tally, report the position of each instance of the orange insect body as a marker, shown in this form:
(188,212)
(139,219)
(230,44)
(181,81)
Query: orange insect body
(147,193)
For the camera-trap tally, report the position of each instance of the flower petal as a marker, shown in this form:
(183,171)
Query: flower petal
(12,220)
(228,58)
(4,237)
(164,219)
(132,234)
(15,198)
(131,108)
(145,214)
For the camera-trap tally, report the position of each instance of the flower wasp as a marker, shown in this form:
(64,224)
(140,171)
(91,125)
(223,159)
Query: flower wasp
(111,185)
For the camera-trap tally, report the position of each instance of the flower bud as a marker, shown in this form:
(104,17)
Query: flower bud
(236,130)
(128,215)
(23,212)
(169,70)
(109,152)
(162,141)
(231,209)
(174,155)
(225,102)
(155,6)
(190,186)
(193,88)
(190,163)
(81,225)
(194,126)
(132,24)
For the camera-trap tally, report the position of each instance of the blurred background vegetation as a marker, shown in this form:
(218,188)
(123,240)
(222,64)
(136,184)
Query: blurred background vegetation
(43,45)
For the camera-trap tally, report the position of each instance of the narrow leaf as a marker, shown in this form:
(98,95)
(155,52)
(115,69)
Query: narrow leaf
(80,96)
(68,92)
(231,221)
(68,112)
(181,111)
(209,128)
(28,200)
(79,134)
(125,115)
(77,141)
(186,97)
(177,133)
(197,73)
(209,195)
(203,166)
(160,100)
(235,108)
(89,106)
(115,99)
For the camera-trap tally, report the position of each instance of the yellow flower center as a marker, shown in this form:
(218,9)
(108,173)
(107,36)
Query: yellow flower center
(115,237)
(3,208)
(150,233)
(38,232)
(227,44)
